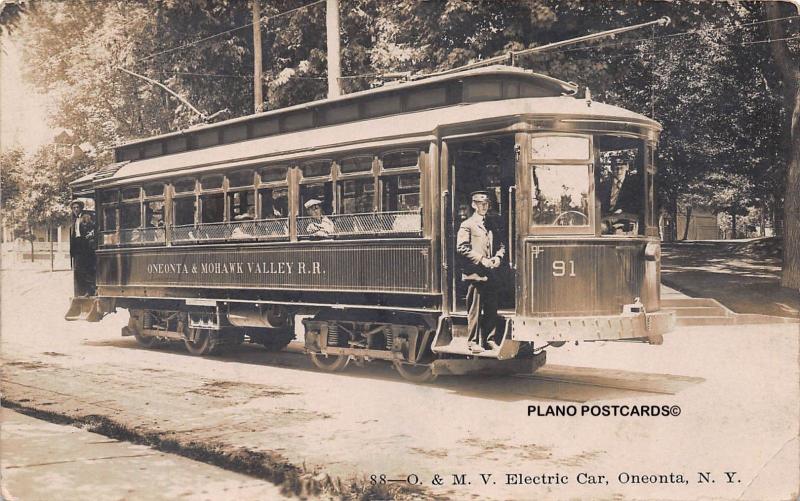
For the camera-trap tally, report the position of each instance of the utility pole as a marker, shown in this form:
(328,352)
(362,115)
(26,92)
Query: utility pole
(257,84)
(334,67)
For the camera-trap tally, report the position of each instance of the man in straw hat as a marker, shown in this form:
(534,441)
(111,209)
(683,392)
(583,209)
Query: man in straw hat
(475,243)
(81,249)
(320,225)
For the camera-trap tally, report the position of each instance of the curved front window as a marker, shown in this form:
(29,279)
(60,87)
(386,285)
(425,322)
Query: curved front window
(562,188)
(561,195)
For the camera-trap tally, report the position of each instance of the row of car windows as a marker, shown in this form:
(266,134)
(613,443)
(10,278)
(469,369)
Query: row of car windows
(353,185)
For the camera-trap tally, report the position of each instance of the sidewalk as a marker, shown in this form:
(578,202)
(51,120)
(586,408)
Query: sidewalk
(742,275)
(42,461)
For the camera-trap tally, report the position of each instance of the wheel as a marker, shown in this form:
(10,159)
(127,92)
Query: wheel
(277,341)
(419,374)
(133,329)
(147,341)
(330,363)
(206,342)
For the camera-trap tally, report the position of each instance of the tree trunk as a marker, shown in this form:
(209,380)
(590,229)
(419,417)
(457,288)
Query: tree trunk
(673,222)
(790,78)
(791,207)
(688,221)
(733,226)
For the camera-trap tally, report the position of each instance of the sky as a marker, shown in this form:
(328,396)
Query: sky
(23,112)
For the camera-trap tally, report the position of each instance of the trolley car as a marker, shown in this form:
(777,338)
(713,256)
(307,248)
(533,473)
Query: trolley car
(203,238)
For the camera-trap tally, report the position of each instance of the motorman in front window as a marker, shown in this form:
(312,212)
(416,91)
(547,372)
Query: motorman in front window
(476,244)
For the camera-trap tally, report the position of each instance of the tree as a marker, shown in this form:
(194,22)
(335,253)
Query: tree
(787,60)
(719,93)
(11,163)
(11,12)
(38,190)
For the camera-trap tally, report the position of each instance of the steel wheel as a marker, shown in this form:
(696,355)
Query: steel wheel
(147,341)
(419,374)
(206,342)
(143,341)
(330,363)
(277,341)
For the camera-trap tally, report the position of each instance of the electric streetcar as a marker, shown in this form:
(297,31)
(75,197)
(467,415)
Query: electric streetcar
(203,235)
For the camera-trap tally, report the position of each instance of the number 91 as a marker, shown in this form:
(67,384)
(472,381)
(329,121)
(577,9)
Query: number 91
(560,268)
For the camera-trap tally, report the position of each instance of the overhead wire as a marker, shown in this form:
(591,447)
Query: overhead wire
(218,75)
(237,28)
(367,75)
(671,35)
(603,46)
(286,13)
(640,53)
(228,75)
(650,39)
(610,44)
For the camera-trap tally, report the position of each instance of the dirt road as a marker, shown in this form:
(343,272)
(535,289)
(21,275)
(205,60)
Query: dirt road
(273,416)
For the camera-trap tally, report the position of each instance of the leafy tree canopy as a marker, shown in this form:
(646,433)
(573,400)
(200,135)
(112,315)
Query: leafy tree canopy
(708,78)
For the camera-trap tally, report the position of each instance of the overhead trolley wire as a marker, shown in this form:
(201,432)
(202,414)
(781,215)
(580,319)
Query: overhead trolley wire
(673,35)
(768,40)
(547,47)
(205,39)
(523,52)
(217,75)
(190,44)
(622,42)
(640,53)
(285,13)
(228,75)
(366,75)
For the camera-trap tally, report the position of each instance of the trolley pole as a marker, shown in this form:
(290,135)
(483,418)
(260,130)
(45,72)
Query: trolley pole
(334,67)
(258,96)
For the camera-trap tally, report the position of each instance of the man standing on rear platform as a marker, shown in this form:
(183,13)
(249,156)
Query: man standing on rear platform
(75,246)
(476,244)
(81,250)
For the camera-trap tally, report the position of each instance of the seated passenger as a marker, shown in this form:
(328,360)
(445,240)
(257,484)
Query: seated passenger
(278,205)
(247,216)
(157,221)
(243,229)
(320,225)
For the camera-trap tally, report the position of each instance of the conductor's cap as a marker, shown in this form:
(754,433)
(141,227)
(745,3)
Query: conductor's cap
(312,203)
(480,196)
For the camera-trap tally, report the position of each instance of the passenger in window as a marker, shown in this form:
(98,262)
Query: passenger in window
(278,204)
(156,220)
(475,244)
(320,225)
(244,230)
(247,216)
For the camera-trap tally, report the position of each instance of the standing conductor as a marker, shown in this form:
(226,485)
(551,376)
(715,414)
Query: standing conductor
(476,244)
(76,245)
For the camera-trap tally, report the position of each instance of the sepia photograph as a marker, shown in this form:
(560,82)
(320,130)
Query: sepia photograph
(399,249)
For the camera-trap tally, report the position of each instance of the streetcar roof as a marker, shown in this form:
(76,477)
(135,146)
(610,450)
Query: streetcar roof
(552,86)
(388,131)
